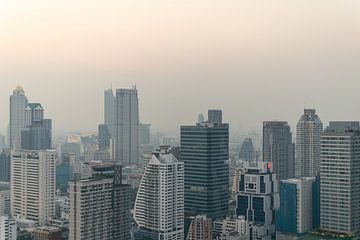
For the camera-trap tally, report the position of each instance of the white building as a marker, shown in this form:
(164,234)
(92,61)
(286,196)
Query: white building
(100,206)
(340,178)
(33,185)
(18,103)
(126,126)
(159,206)
(308,131)
(8,228)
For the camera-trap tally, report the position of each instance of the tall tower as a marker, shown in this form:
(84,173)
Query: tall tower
(340,178)
(126,126)
(308,131)
(18,103)
(279,149)
(205,152)
(33,185)
(109,110)
(37,135)
(159,206)
(258,198)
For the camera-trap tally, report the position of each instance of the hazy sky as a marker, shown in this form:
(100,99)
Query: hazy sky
(256,60)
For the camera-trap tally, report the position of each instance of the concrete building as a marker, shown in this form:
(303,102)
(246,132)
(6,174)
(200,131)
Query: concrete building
(37,133)
(104,137)
(126,134)
(33,185)
(296,213)
(8,228)
(18,103)
(205,153)
(247,151)
(144,134)
(159,205)
(200,228)
(308,131)
(279,149)
(100,206)
(234,228)
(340,178)
(258,198)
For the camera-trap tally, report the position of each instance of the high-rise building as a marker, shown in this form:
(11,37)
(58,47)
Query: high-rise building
(340,178)
(2,143)
(279,149)
(126,126)
(104,137)
(144,134)
(8,228)
(33,185)
(258,198)
(247,151)
(37,133)
(100,206)
(18,103)
(308,131)
(205,153)
(200,118)
(5,167)
(159,206)
(296,212)
(201,228)
(109,100)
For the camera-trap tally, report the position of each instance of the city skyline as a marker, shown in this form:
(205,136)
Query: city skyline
(232,55)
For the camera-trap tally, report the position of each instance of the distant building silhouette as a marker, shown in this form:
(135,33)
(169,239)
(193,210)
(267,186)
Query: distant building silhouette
(247,151)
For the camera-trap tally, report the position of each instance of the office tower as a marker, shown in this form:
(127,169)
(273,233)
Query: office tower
(18,103)
(279,149)
(340,178)
(159,205)
(258,198)
(126,126)
(100,206)
(205,153)
(308,131)
(200,229)
(215,116)
(109,101)
(144,134)
(8,228)
(5,202)
(37,133)
(247,151)
(296,212)
(104,137)
(33,185)
(5,167)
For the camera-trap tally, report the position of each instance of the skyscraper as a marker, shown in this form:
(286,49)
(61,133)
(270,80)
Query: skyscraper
(159,206)
(126,126)
(18,103)
(205,153)
(278,148)
(104,137)
(8,228)
(144,134)
(109,110)
(100,206)
(33,185)
(340,178)
(308,131)
(200,229)
(37,134)
(247,151)
(258,198)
